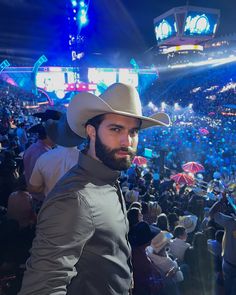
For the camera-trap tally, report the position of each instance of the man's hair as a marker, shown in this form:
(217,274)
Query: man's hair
(179,231)
(95,121)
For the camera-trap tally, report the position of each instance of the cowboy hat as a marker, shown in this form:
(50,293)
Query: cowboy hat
(59,131)
(48,114)
(38,128)
(120,99)
(142,233)
(189,222)
(161,240)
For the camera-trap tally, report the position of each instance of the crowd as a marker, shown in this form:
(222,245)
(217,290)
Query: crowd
(176,239)
(207,88)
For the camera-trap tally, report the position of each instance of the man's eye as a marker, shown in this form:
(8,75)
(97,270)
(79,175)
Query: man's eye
(115,129)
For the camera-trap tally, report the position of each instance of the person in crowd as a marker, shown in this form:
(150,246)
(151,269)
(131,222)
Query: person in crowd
(153,209)
(83,222)
(200,264)
(22,136)
(8,177)
(173,221)
(169,268)
(215,248)
(206,218)
(52,165)
(215,245)
(178,245)
(162,222)
(189,222)
(222,214)
(134,216)
(136,205)
(147,279)
(35,150)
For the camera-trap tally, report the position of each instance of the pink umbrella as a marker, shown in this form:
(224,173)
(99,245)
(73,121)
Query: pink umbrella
(192,167)
(203,131)
(183,178)
(139,160)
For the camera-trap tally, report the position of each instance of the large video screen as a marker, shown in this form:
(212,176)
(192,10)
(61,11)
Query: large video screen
(50,81)
(165,28)
(102,75)
(128,76)
(200,23)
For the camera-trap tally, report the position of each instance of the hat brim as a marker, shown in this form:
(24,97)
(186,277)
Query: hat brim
(38,128)
(85,106)
(60,132)
(48,114)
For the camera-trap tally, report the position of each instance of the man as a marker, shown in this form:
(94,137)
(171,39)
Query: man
(178,245)
(50,167)
(81,244)
(53,164)
(42,145)
(35,150)
(220,212)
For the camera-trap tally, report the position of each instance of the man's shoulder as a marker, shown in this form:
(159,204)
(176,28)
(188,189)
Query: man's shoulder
(71,184)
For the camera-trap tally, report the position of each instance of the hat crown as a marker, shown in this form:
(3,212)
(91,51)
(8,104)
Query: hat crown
(124,98)
(188,222)
(160,240)
(119,99)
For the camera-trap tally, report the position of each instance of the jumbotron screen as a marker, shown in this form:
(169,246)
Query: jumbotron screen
(165,28)
(200,24)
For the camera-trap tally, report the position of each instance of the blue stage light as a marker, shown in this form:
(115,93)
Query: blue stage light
(74,3)
(82,4)
(83,19)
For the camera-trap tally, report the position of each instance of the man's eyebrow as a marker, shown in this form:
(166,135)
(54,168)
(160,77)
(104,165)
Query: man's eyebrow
(121,126)
(115,125)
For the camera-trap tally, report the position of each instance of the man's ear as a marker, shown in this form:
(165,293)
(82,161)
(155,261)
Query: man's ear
(91,131)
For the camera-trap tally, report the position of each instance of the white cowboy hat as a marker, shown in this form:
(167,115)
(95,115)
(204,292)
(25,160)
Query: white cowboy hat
(161,240)
(120,99)
(189,222)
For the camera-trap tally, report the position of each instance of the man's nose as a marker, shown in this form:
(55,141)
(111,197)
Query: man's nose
(126,140)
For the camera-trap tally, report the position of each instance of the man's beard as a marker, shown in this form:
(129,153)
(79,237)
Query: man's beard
(107,156)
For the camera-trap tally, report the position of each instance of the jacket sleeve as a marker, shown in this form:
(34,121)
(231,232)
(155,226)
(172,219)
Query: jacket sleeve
(64,226)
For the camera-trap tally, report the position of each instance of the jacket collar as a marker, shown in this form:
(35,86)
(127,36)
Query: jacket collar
(97,169)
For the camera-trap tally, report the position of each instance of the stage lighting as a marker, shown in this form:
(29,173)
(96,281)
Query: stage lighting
(163,105)
(74,3)
(4,65)
(83,19)
(82,14)
(190,105)
(60,94)
(82,4)
(151,105)
(176,106)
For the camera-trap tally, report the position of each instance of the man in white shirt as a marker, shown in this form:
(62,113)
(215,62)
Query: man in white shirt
(178,245)
(50,167)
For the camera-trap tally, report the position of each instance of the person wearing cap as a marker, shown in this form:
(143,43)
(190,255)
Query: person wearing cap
(81,244)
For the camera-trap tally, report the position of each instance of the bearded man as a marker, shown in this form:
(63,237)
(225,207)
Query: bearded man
(81,244)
